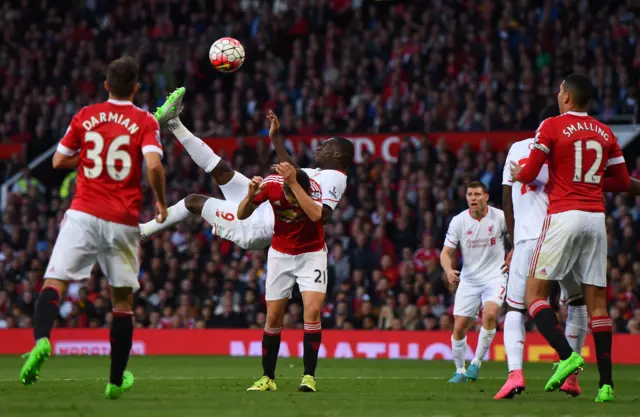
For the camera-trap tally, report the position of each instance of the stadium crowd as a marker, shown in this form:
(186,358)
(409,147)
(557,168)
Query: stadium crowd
(420,67)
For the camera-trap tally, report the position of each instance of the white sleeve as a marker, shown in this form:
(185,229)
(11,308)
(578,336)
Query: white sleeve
(506,172)
(333,185)
(453,233)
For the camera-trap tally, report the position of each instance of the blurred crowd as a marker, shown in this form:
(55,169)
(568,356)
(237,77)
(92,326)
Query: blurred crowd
(323,66)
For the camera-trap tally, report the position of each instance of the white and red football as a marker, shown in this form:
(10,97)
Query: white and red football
(226,54)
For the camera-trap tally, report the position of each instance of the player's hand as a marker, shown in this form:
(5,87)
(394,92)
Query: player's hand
(515,171)
(255,186)
(274,129)
(161,212)
(507,262)
(287,171)
(453,276)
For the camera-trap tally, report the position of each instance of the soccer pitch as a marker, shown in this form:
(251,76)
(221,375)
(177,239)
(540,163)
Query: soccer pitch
(215,386)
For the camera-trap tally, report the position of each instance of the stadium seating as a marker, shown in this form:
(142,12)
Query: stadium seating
(417,67)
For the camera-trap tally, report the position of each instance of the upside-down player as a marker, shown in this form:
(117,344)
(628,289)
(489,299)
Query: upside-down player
(297,255)
(107,142)
(584,157)
(525,207)
(479,232)
(333,158)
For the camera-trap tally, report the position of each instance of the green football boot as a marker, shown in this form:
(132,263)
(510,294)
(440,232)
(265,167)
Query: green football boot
(113,392)
(171,108)
(563,370)
(30,372)
(605,395)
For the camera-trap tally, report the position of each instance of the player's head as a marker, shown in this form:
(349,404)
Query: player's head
(575,93)
(550,111)
(122,78)
(477,196)
(335,153)
(303,179)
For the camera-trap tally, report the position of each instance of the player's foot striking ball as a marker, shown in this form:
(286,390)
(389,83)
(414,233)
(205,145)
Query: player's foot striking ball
(263,384)
(31,369)
(113,392)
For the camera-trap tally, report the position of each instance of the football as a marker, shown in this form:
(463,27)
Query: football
(226,54)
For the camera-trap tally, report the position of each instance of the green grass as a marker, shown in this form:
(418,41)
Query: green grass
(215,386)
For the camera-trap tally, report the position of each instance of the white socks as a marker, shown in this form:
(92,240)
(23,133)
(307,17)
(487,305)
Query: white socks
(199,151)
(514,339)
(484,342)
(577,325)
(175,214)
(459,349)
(236,189)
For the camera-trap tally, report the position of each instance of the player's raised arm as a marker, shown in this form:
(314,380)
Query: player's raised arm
(155,173)
(276,139)
(256,195)
(310,204)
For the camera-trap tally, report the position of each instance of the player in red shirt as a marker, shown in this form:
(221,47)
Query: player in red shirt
(108,143)
(297,255)
(584,159)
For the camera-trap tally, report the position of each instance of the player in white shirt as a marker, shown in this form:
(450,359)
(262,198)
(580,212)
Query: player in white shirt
(480,233)
(526,206)
(333,158)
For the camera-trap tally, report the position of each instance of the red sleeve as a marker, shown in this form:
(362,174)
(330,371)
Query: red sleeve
(544,136)
(616,178)
(72,140)
(151,136)
(264,194)
(533,166)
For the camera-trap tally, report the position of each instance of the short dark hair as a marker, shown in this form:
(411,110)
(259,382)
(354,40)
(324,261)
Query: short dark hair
(122,76)
(550,111)
(478,184)
(345,146)
(581,89)
(303,179)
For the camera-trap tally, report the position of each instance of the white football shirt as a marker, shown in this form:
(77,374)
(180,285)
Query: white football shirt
(481,242)
(332,183)
(530,201)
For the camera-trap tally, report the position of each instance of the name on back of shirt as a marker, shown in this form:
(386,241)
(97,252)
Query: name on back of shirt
(577,126)
(110,117)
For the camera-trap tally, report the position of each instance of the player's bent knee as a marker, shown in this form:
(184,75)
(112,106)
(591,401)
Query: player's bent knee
(195,203)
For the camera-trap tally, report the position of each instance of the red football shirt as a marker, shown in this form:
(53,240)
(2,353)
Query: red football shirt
(111,138)
(294,233)
(579,149)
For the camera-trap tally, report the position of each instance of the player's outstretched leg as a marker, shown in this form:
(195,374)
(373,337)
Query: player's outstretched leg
(575,332)
(183,209)
(46,311)
(233,184)
(121,337)
(514,336)
(459,349)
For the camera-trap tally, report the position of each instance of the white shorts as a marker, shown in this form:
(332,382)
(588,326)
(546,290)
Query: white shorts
(309,270)
(251,234)
(573,241)
(85,239)
(469,297)
(518,273)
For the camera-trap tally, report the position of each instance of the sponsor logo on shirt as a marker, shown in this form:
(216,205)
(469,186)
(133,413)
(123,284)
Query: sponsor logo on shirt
(334,192)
